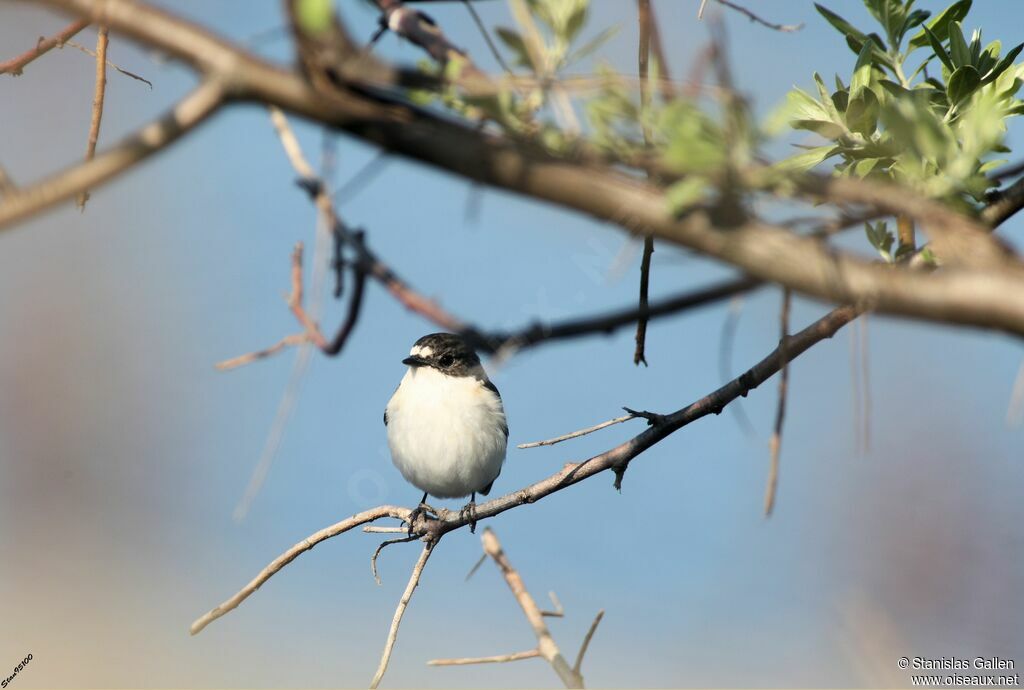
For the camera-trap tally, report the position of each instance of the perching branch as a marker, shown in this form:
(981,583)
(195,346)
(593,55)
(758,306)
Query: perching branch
(293,553)
(572,473)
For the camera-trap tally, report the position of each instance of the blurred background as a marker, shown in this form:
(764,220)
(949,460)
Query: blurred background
(124,453)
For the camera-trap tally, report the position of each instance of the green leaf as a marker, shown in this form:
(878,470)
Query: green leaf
(940,25)
(862,113)
(958,50)
(577,18)
(962,84)
(314,16)
(829,130)
(880,238)
(940,50)
(844,27)
(1003,64)
(514,42)
(802,162)
(861,71)
(592,45)
(825,98)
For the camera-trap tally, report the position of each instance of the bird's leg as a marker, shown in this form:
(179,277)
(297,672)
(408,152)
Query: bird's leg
(469,512)
(421,509)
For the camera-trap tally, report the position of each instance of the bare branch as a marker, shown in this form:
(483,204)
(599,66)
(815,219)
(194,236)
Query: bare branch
(293,553)
(15,65)
(775,442)
(586,643)
(646,22)
(499,659)
(384,545)
(545,643)
(250,357)
(110,64)
(193,110)
(102,40)
(1015,409)
(559,612)
(751,16)
(577,434)
(414,580)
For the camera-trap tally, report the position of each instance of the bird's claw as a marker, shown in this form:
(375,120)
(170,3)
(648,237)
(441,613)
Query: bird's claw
(421,509)
(468,512)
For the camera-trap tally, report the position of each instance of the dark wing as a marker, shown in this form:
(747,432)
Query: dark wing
(385,416)
(489,385)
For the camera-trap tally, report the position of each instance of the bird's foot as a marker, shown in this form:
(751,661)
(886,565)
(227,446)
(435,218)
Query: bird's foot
(420,510)
(468,512)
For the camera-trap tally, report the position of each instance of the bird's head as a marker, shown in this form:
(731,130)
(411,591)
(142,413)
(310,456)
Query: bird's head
(447,352)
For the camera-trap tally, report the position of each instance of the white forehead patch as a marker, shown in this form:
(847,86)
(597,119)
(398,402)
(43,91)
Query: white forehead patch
(417,351)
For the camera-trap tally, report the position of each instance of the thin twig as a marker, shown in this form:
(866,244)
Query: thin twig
(545,643)
(644,53)
(775,443)
(559,612)
(751,16)
(293,553)
(15,65)
(414,580)
(250,357)
(487,37)
(383,545)
(102,40)
(499,659)
(374,529)
(586,643)
(1015,410)
(122,70)
(6,183)
(577,434)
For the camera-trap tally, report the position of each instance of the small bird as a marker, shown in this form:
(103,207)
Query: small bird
(446,425)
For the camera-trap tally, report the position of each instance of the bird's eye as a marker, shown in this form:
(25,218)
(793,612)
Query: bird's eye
(446,361)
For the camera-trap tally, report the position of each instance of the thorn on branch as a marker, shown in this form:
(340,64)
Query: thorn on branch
(653,418)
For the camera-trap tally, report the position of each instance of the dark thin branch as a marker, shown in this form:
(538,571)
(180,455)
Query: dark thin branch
(16,65)
(110,64)
(775,443)
(753,17)
(609,322)
(1006,204)
(487,37)
(645,20)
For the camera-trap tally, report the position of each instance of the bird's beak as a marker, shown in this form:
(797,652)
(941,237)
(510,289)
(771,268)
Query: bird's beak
(414,361)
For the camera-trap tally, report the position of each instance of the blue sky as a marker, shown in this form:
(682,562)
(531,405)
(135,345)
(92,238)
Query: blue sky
(123,452)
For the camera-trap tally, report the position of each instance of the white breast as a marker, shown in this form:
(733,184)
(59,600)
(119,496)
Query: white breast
(446,433)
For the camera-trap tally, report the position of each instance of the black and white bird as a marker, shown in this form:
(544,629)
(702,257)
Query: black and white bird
(445,423)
